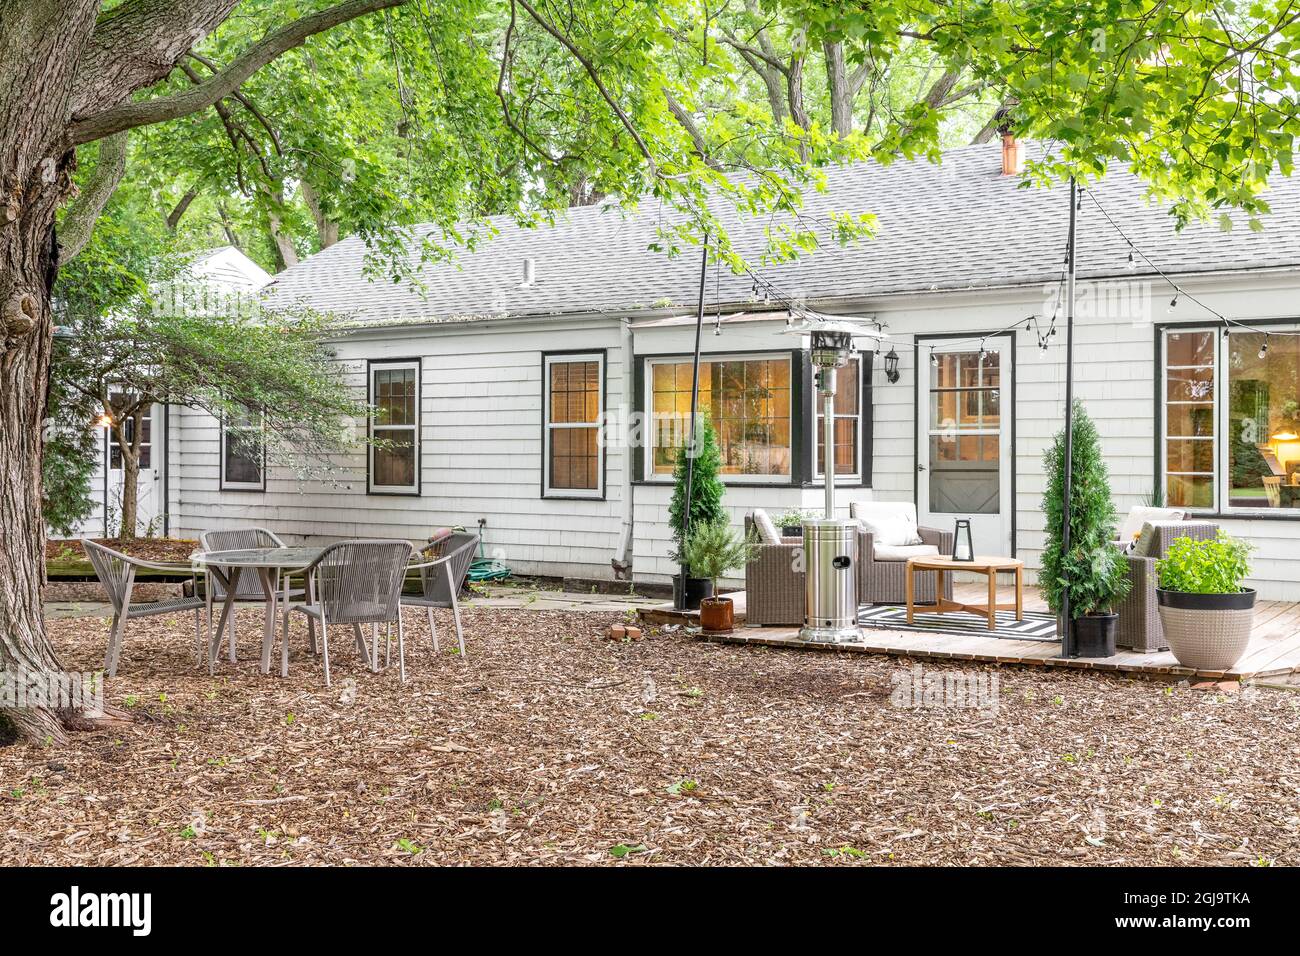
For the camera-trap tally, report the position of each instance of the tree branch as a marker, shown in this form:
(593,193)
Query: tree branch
(142,113)
(79,221)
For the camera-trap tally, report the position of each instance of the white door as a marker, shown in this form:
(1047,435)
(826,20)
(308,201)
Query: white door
(964,457)
(149,498)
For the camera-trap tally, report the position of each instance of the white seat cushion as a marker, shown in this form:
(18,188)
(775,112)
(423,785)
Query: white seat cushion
(891,523)
(901,552)
(1139,515)
(766,530)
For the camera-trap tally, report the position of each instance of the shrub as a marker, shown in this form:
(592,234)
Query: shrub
(1205,567)
(1094,570)
(707,488)
(714,549)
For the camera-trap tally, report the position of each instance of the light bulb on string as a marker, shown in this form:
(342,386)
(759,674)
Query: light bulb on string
(1132,262)
(1263,349)
(1173,303)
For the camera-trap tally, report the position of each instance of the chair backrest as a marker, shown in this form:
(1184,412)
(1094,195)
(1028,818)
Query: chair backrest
(1131,524)
(240,539)
(459,550)
(360,582)
(1273,489)
(113,568)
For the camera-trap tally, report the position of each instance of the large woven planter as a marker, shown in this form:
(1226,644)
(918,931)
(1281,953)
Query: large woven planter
(1208,632)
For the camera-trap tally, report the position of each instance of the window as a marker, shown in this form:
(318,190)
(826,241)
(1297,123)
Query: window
(1189,394)
(243,454)
(848,423)
(574,405)
(395,428)
(1231,421)
(746,398)
(145,419)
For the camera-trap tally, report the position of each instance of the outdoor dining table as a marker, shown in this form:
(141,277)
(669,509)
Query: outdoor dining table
(227,566)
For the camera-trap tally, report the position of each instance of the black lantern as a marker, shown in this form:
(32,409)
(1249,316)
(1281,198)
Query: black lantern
(962,549)
(891,366)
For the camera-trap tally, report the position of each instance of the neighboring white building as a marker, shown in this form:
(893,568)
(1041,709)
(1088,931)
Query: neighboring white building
(224,271)
(499,376)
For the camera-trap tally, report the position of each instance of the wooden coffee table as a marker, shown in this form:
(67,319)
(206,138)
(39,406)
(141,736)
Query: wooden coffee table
(990,567)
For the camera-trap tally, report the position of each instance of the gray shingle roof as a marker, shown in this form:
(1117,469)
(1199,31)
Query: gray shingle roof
(960,225)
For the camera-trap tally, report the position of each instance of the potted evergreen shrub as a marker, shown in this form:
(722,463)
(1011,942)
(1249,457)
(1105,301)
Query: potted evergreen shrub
(706,508)
(1204,609)
(712,550)
(1093,573)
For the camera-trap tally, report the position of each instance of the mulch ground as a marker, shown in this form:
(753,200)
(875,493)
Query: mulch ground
(550,744)
(149,549)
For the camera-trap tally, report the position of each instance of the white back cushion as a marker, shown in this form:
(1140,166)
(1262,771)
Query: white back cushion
(890,523)
(766,530)
(1140,514)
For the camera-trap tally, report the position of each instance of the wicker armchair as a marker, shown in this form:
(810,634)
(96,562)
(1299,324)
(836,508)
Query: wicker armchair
(1139,620)
(885,581)
(774,581)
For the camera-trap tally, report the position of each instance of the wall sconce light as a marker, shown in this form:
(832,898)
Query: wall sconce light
(962,548)
(104,421)
(891,366)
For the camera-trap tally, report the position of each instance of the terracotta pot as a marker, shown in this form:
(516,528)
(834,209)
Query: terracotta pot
(1208,632)
(716,614)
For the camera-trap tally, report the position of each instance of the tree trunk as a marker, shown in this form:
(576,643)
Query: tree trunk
(130,498)
(839,88)
(26,270)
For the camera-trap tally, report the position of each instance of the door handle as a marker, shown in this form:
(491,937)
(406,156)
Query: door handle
(920,467)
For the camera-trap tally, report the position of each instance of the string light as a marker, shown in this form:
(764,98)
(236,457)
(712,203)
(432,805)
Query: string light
(1263,349)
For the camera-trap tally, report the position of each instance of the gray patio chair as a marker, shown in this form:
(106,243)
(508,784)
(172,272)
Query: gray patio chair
(1139,626)
(354,582)
(116,572)
(249,587)
(442,578)
(774,581)
(882,570)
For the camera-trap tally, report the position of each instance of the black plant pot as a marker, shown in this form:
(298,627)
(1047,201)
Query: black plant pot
(1094,635)
(792,531)
(689,598)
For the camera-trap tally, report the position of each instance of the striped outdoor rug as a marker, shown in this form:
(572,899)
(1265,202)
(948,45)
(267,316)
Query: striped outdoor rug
(1036,626)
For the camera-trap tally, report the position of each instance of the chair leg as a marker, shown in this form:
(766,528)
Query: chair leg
(401,647)
(433,630)
(311,636)
(455,610)
(361,644)
(198,631)
(230,633)
(388,643)
(284,631)
(325,649)
(110,656)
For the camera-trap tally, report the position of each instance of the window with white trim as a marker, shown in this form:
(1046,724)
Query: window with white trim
(574,403)
(1230,420)
(243,454)
(747,400)
(395,428)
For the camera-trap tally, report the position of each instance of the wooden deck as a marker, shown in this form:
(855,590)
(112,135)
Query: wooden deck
(1274,649)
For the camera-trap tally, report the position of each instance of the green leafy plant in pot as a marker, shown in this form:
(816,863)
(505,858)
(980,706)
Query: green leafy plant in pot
(706,508)
(713,550)
(791,522)
(1205,610)
(1093,572)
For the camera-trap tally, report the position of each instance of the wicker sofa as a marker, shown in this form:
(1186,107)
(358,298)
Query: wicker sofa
(1139,620)
(882,570)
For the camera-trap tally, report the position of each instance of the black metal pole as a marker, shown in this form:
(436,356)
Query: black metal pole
(691,450)
(1067,633)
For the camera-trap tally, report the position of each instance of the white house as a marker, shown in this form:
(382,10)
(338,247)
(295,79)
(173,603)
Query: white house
(494,383)
(221,271)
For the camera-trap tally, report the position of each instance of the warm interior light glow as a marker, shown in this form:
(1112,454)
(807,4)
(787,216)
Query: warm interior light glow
(104,421)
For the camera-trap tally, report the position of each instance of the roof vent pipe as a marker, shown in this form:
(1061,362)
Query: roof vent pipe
(530,272)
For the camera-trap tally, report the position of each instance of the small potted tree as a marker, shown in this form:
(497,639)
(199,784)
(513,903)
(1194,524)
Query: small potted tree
(1205,610)
(706,508)
(1093,572)
(712,550)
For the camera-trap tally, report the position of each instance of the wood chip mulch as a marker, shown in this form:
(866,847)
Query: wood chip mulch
(550,744)
(149,549)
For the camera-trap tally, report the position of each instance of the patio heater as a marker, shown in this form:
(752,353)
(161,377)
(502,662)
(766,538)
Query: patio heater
(830,544)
